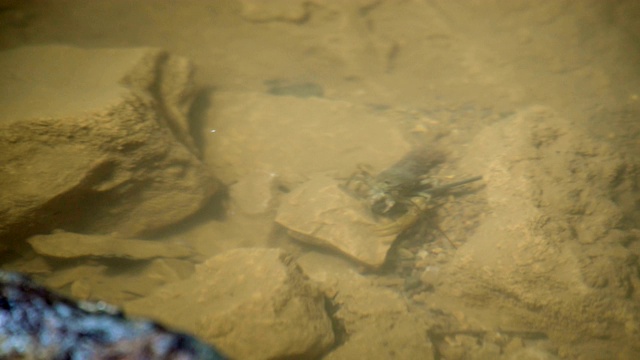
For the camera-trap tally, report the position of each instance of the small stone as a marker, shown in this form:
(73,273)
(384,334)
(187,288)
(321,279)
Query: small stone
(244,295)
(405,254)
(422,254)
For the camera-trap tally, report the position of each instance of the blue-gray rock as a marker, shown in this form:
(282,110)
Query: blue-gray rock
(38,324)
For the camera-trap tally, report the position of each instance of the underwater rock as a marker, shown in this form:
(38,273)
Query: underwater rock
(376,322)
(252,303)
(39,324)
(116,284)
(294,137)
(96,141)
(319,212)
(69,245)
(545,247)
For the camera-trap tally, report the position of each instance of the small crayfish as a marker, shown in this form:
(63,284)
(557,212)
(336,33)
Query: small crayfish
(403,192)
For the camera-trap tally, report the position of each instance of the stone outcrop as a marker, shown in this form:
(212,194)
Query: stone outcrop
(96,141)
(376,322)
(553,241)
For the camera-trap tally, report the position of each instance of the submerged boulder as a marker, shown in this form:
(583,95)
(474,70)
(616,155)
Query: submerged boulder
(96,141)
(553,245)
(253,303)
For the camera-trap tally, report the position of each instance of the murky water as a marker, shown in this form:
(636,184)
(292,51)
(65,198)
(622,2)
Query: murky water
(541,99)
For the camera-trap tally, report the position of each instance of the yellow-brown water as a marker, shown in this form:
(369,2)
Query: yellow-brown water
(540,98)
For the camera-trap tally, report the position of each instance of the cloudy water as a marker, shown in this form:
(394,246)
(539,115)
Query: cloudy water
(324,179)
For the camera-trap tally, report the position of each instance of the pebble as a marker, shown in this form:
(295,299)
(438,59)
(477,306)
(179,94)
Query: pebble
(437,250)
(422,254)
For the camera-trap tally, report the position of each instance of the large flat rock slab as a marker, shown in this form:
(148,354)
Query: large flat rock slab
(319,212)
(251,303)
(66,245)
(96,141)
